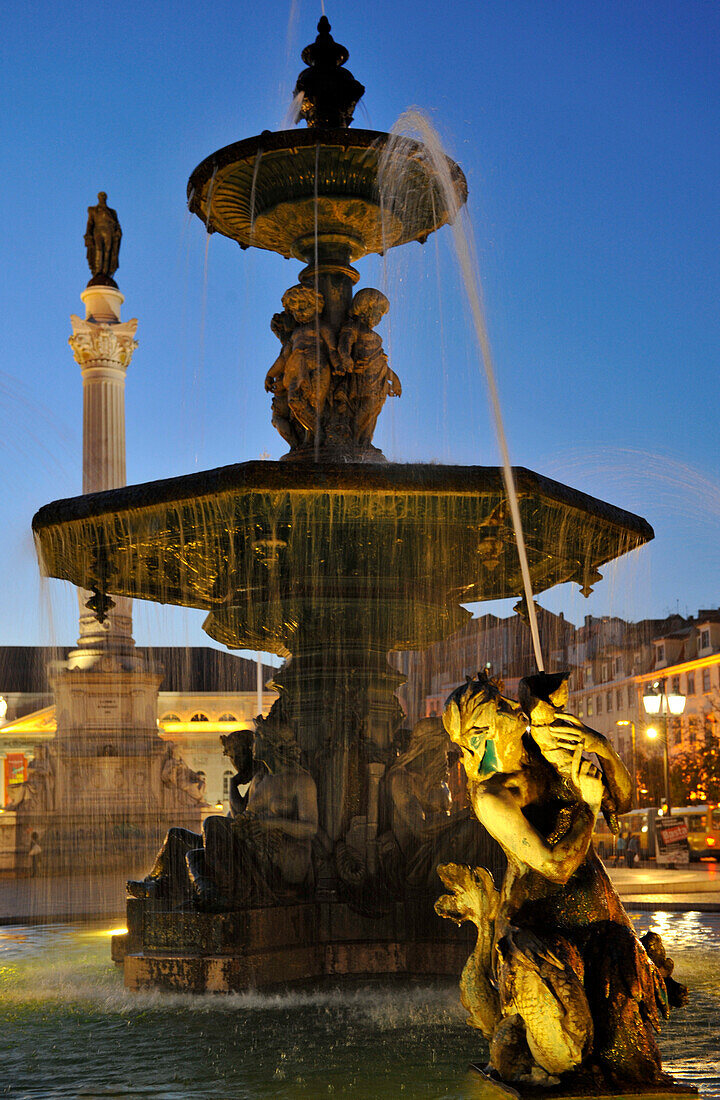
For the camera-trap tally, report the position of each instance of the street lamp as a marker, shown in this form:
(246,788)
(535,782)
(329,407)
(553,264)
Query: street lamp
(625,722)
(657,701)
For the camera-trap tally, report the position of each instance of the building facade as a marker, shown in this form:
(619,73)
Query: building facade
(204,693)
(612,664)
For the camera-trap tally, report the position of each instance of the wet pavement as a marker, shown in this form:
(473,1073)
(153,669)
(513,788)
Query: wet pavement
(85,897)
(695,887)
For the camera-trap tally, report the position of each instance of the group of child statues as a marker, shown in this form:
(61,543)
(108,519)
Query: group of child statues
(329,385)
(559,983)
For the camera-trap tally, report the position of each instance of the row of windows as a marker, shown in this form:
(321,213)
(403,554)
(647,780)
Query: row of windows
(609,701)
(703,642)
(198,717)
(688,688)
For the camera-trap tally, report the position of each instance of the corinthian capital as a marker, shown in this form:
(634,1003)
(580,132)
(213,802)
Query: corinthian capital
(94,342)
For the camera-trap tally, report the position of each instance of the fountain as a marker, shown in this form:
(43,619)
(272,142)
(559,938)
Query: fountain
(331,558)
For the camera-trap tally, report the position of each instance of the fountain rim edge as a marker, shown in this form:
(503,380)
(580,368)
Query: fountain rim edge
(278,140)
(268,476)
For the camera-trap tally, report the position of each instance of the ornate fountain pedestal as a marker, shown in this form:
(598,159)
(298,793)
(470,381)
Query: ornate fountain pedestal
(103,793)
(261,948)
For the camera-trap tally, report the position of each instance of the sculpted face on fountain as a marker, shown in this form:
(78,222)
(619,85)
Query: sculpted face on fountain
(275,746)
(487,727)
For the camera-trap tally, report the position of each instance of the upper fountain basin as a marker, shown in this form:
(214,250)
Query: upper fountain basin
(304,193)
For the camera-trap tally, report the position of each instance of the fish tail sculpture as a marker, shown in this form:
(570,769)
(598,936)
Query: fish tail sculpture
(542,985)
(474,898)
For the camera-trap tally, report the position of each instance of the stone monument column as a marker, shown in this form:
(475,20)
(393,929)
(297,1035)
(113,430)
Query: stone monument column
(103,346)
(115,782)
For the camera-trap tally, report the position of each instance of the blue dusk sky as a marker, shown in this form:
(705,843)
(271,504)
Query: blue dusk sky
(588,132)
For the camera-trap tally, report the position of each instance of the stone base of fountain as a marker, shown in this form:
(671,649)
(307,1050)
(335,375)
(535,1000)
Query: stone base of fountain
(488,1088)
(258,948)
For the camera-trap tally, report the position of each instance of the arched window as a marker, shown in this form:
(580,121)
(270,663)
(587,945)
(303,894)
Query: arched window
(227,776)
(170,718)
(199,717)
(227,718)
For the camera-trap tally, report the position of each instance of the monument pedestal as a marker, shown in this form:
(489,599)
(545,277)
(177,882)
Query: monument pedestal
(105,795)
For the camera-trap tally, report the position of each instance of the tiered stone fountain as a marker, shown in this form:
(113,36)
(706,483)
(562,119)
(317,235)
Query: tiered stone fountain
(330,557)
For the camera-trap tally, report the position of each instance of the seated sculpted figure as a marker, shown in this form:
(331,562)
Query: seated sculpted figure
(266,850)
(169,878)
(427,826)
(558,982)
(300,376)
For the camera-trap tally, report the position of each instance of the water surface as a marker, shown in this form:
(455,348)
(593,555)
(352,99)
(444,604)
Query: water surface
(68,1028)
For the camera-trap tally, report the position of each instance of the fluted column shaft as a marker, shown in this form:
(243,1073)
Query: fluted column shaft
(103,346)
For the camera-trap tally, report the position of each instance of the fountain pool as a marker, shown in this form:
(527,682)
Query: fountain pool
(68,1028)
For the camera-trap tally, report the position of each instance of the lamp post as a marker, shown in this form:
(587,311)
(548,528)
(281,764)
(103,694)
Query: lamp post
(626,722)
(657,701)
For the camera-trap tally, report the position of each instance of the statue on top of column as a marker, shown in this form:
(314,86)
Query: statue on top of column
(102,241)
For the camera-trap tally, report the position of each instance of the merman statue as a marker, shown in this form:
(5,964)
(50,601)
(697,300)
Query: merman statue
(559,982)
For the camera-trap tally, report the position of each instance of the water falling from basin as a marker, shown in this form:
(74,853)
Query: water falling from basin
(332,558)
(393,181)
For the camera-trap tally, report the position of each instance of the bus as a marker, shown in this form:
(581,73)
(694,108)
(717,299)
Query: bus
(703,826)
(639,823)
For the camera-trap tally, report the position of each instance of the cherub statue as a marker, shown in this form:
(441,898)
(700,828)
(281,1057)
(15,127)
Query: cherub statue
(368,377)
(558,982)
(283,326)
(300,376)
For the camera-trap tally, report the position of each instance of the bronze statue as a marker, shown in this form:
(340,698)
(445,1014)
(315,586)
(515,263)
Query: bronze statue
(427,825)
(102,241)
(268,847)
(368,379)
(300,376)
(170,877)
(558,982)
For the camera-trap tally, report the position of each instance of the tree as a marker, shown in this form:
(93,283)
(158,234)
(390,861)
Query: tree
(696,775)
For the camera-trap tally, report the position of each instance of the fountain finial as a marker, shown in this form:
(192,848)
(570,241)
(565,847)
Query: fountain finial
(329,92)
